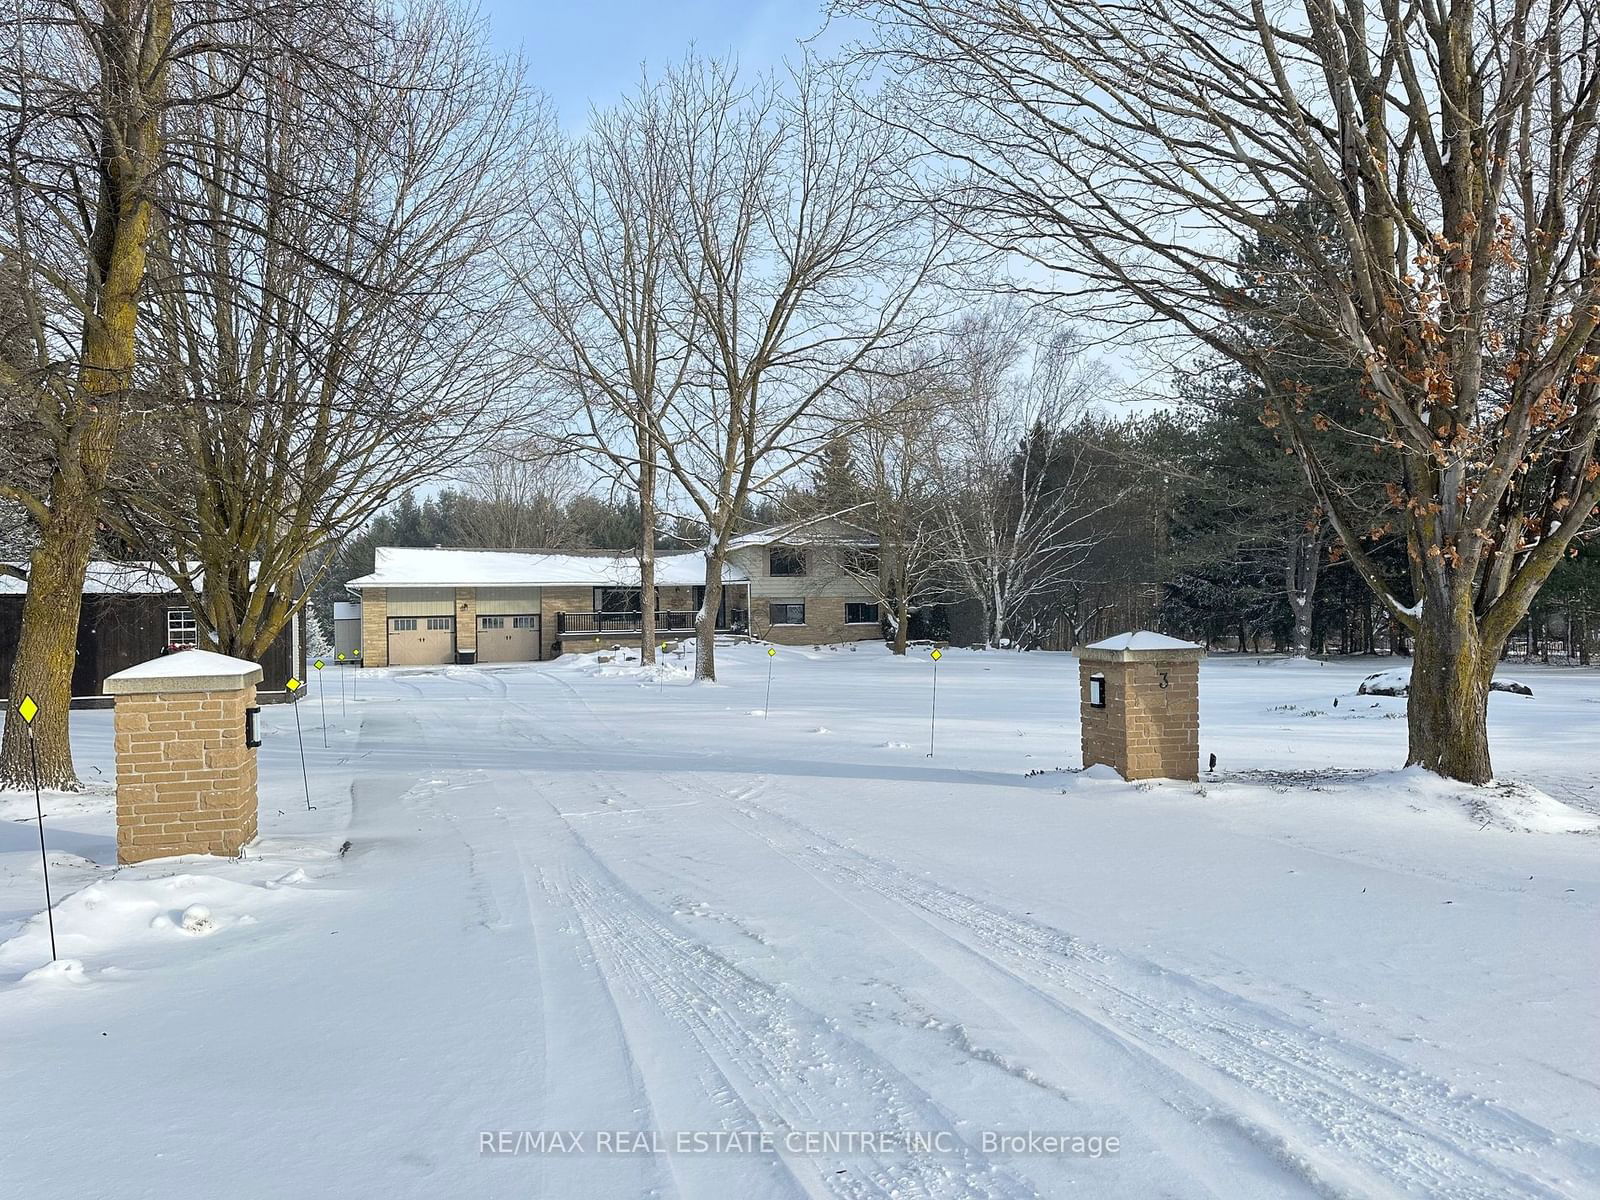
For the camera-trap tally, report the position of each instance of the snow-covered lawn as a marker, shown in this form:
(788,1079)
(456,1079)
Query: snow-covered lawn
(579,900)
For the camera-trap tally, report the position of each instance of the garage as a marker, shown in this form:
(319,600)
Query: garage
(422,641)
(508,637)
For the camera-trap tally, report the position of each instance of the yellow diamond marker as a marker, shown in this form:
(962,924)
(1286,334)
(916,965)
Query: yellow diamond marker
(936,656)
(341,657)
(27,710)
(317,664)
(357,653)
(293,685)
(771,650)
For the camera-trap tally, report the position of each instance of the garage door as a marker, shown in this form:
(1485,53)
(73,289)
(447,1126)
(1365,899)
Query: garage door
(508,638)
(421,641)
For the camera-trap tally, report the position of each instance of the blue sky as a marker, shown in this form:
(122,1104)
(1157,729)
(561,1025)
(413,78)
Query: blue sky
(583,53)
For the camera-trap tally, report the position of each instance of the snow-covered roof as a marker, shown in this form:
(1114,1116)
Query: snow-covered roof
(129,578)
(1142,639)
(809,531)
(346,610)
(185,671)
(105,578)
(408,566)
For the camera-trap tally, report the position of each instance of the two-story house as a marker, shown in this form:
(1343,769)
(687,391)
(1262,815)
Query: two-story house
(794,584)
(808,582)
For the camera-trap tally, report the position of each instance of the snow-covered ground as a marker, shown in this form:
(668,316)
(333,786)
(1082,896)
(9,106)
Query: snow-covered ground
(577,900)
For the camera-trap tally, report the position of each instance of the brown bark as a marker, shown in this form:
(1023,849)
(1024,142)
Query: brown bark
(1300,586)
(45,656)
(647,553)
(1448,702)
(134,87)
(47,645)
(705,622)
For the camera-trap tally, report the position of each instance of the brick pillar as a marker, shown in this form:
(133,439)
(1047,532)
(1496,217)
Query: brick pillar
(1145,720)
(186,781)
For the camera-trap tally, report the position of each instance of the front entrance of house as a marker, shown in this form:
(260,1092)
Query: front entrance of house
(508,638)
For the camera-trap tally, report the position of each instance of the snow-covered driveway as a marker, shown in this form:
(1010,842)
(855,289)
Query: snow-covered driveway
(579,902)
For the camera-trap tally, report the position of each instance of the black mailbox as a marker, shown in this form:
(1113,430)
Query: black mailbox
(252,731)
(1097,691)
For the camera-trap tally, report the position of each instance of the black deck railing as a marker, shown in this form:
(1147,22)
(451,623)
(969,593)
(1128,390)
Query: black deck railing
(667,621)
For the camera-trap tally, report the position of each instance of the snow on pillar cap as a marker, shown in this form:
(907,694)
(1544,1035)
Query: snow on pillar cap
(186,671)
(1142,645)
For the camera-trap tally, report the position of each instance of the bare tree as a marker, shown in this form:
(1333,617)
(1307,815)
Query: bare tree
(517,495)
(799,256)
(1147,152)
(86,92)
(330,325)
(1012,468)
(614,328)
(896,476)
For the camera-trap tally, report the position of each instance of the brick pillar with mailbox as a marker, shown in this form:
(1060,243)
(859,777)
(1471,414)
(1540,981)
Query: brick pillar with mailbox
(1139,695)
(186,769)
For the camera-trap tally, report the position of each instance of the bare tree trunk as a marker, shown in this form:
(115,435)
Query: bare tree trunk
(705,621)
(47,648)
(1300,578)
(902,617)
(994,616)
(647,556)
(1448,703)
(47,645)
(134,91)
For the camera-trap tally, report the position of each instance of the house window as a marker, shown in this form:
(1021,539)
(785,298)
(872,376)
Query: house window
(524,622)
(181,628)
(439,622)
(859,562)
(786,560)
(491,622)
(789,612)
(860,613)
(616,600)
(404,624)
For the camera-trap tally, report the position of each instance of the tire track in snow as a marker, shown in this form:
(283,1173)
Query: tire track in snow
(609,1027)
(783,1067)
(564,889)
(788,1068)
(1234,1160)
(491,914)
(1403,1127)
(585,1067)
(698,788)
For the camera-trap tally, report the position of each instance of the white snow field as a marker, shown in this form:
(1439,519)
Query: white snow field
(793,956)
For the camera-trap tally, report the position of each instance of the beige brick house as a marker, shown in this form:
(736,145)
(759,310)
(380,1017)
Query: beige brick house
(806,582)
(790,584)
(423,607)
